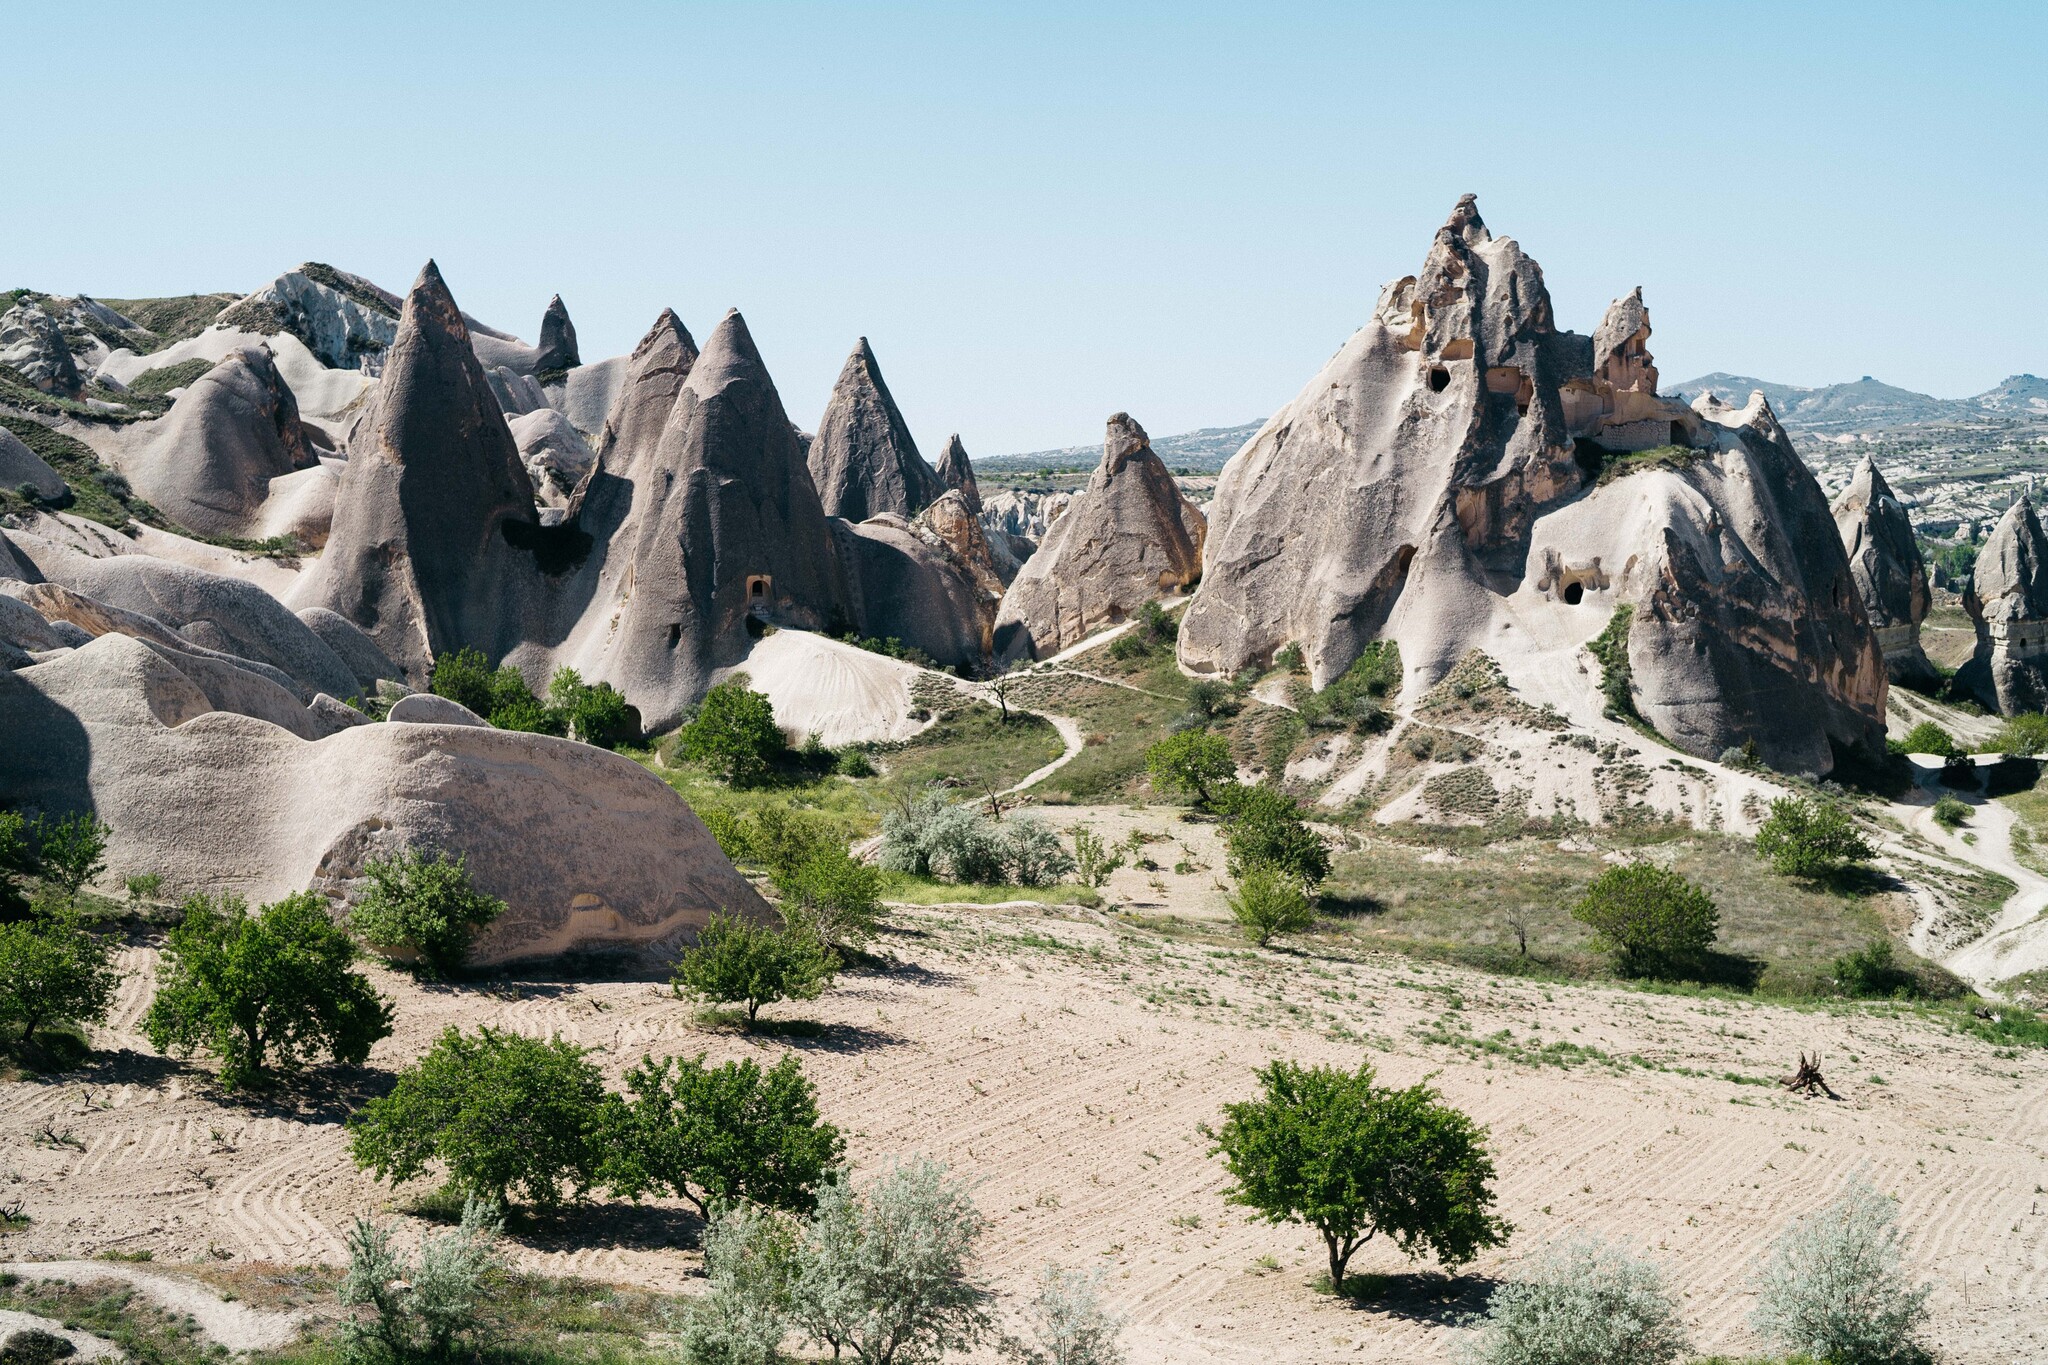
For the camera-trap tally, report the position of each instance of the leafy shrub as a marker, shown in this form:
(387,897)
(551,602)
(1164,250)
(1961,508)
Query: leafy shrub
(1580,1302)
(502,1113)
(1094,858)
(1950,812)
(734,734)
(500,696)
(70,851)
(1359,696)
(1929,738)
(855,763)
(2026,734)
(1032,854)
(424,903)
(54,971)
(1192,763)
(422,1308)
(1649,917)
(728,827)
(736,961)
(1809,838)
(1289,659)
(717,1136)
(1835,1285)
(463,676)
(1267,904)
(596,714)
(1069,1323)
(1264,828)
(263,991)
(931,836)
(1353,1159)
(1874,972)
(746,1313)
(1610,650)
(834,895)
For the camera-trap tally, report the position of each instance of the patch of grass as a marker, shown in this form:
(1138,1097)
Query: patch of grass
(1120,722)
(901,886)
(970,745)
(98,493)
(159,382)
(850,804)
(114,1311)
(1619,464)
(171,320)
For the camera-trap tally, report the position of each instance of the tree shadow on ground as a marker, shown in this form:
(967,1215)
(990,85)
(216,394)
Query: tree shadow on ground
(1420,1295)
(123,1066)
(616,1226)
(1350,903)
(324,1094)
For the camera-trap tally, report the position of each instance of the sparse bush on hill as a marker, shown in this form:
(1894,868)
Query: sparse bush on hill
(421,1308)
(1874,972)
(1094,858)
(1581,1301)
(1268,904)
(1353,1159)
(1809,838)
(736,961)
(1360,696)
(1928,738)
(1836,1288)
(265,991)
(1192,763)
(425,903)
(1651,918)
(2025,734)
(503,1114)
(1263,827)
(53,971)
(1949,812)
(734,734)
(1154,629)
(1069,1323)
(1610,649)
(929,835)
(746,1314)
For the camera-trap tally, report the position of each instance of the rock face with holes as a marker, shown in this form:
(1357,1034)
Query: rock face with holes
(1462,474)
(2008,601)
(1890,576)
(862,460)
(1130,536)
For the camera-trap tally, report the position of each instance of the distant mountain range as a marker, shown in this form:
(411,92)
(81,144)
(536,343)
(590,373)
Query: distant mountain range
(1202,451)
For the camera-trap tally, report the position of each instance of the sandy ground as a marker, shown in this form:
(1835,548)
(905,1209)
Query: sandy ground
(236,1326)
(1068,1064)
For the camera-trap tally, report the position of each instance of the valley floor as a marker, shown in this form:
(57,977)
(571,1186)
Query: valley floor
(1068,1060)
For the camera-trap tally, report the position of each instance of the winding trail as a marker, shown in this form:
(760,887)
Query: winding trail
(236,1326)
(1070,734)
(2017,939)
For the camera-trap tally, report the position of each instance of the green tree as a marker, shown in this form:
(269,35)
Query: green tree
(502,1113)
(53,971)
(1929,738)
(1264,828)
(595,714)
(736,961)
(1353,1159)
(734,734)
(71,851)
(263,991)
(1191,763)
(15,859)
(423,903)
(1650,917)
(514,707)
(463,676)
(1268,903)
(719,1135)
(834,896)
(1809,838)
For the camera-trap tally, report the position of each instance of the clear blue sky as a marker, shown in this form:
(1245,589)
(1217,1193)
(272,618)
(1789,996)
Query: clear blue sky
(1043,213)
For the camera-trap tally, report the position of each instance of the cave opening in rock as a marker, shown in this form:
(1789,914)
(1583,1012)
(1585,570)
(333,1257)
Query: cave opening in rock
(1439,379)
(1678,433)
(1574,593)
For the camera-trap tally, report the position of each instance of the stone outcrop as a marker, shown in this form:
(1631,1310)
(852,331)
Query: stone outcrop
(435,537)
(2008,601)
(862,458)
(557,349)
(1130,536)
(554,452)
(908,586)
(956,471)
(33,346)
(210,463)
(21,467)
(1890,576)
(344,319)
(951,522)
(1429,486)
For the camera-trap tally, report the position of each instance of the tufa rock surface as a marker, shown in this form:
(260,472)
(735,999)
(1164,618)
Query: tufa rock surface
(557,349)
(2008,601)
(33,346)
(21,467)
(557,459)
(233,430)
(956,471)
(1125,539)
(862,459)
(1891,578)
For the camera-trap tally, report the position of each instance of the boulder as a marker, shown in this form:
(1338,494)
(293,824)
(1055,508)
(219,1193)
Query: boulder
(424,708)
(862,459)
(1130,536)
(2008,600)
(554,452)
(14,563)
(909,587)
(210,462)
(1891,578)
(956,471)
(21,468)
(1428,486)
(33,346)
(557,349)
(587,848)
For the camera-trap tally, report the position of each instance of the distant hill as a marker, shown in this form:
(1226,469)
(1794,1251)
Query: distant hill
(1870,404)
(1203,451)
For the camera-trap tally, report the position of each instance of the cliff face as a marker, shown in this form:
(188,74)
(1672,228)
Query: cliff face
(1891,578)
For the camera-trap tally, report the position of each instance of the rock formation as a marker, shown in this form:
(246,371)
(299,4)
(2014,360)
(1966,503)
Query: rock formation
(1890,577)
(344,319)
(1426,485)
(209,464)
(956,471)
(1128,537)
(2008,601)
(910,587)
(557,350)
(33,346)
(435,536)
(862,459)
(21,468)
(554,453)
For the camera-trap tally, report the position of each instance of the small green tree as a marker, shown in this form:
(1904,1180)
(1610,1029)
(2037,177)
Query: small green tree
(1264,828)
(15,859)
(1835,1286)
(2026,733)
(734,734)
(502,1113)
(54,971)
(463,676)
(720,1135)
(420,1309)
(1649,917)
(736,961)
(514,707)
(1192,763)
(1929,738)
(1949,812)
(833,895)
(1094,857)
(1353,1159)
(1580,1302)
(423,903)
(1809,838)
(71,851)
(596,714)
(1268,904)
(264,991)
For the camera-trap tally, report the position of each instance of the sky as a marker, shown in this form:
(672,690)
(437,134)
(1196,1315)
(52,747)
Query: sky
(1041,214)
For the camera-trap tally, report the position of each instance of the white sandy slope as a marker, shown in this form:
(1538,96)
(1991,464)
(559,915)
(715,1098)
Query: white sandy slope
(818,683)
(324,395)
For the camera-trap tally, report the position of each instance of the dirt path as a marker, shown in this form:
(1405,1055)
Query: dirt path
(84,1345)
(2017,939)
(235,1326)
(1070,735)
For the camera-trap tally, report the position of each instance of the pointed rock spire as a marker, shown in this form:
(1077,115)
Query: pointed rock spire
(956,471)
(863,460)
(1891,578)
(2008,601)
(655,374)
(557,340)
(1621,345)
(434,496)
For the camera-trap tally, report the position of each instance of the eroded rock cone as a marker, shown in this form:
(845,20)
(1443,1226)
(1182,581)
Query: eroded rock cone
(957,472)
(862,458)
(1128,537)
(435,537)
(557,340)
(230,433)
(33,346)
(2008,601)
(1890,576)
